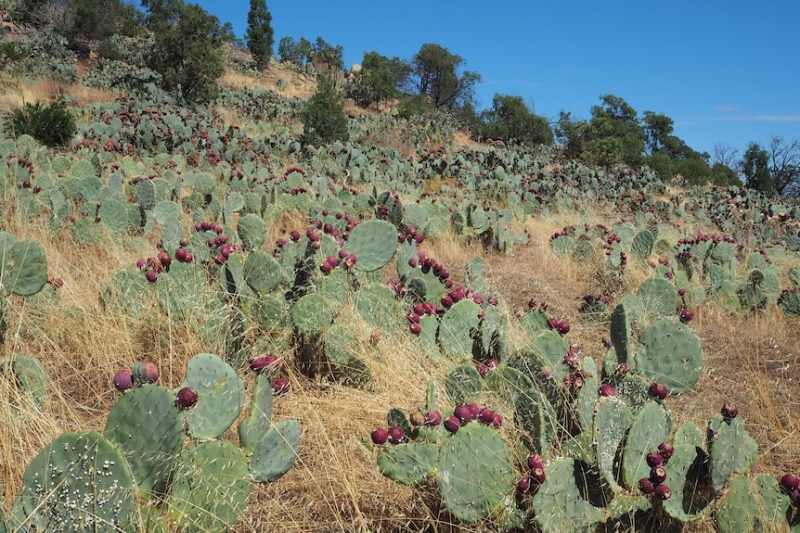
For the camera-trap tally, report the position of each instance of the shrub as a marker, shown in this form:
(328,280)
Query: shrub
(53,125)
(323,117)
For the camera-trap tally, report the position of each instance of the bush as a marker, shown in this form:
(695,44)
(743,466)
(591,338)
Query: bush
(53,125)
(323,117)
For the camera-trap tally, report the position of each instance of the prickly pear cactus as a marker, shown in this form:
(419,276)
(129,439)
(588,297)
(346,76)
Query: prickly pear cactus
(409,463)
(148,427)
(23,266)
(476,472)
(79,482)
(259,418)
(373,242)
(262,272)
(731,449)
(642,245)
(670,353)
(686,477)
(211,487)
(611,424)
(651,426)
(456,329)
(220,396)
(463,385)
(31,378)
(659,297)
(275,453)
(560,505)
(753,504)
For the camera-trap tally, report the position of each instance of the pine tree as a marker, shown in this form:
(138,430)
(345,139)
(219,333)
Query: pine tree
(260,36)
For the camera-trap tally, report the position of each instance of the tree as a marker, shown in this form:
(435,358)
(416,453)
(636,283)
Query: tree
(658,129)
(726,154)
(380,78)
(435,75)
(785,162)
(510,118)
(260,36)
(323,117)
(291,51)
(187,50)
(755,167)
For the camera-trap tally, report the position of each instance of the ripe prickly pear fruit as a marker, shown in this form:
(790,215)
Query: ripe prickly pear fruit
(686,315)
(524,485)
(433,418)
(607,391)
(663,491)
(486,415)
(145,372)
(447,302)
(380,436)
(658,474)
(265,362)
(186,398)
(415,328)
(281,387)
(537,476)
(654,459)
(535,461)
(474,411)
(497,421)
(294,235)
(416,418)
(452,423)
(658,391)
(151,275)
(463,414)
(483,370)
(563,327)
(729,411)
(325,268)
(123,380)
(665,450)
(646,486)
(396,435)
(790,482)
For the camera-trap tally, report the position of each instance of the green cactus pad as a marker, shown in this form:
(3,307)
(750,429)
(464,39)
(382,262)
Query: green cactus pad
(211,487)
(220,396)
(79,482)
(508,383)
(689,433)
(374,243)
(687,479)
(753,505)
(128,292)
(148,427)
(463,385)
(456,329)
(182,291)
(335,286)
(621,334)
(268,311)
(550,348)
(588,393)
(31,378)
(659,297)
(651,426)
(731,449)
(562,245)
(670,353)
(377,305)
(312,314)
(427,337)
(252,231)
(642,245)
(255,426)
(536,418)
(338,343)
(276,451)
(408,463)
(611,425)
(560,505)
(476,472)
(262,272)
(24,268)
(534,322)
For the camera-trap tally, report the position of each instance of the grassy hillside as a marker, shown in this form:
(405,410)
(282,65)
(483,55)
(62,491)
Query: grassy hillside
(143,171)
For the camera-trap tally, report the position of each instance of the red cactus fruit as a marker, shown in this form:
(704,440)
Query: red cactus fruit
(281,387)
(729,411)
(265,362)
(524,485)
(658,474)
(658,391)
(416,418)
(662,491)
(396,435)
(380,436)
(686,315)
(538,476)
(452,423)
(607,391)
(646,486)
(486,415)
(497,421)
(654,459)
(433,418)
(790,482)
(665,450)
(186,398)
(535,461)
(123,380)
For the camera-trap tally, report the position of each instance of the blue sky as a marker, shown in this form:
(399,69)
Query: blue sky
(723,71)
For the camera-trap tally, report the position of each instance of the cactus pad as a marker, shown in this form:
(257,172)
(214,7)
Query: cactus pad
(670,353)
(276,451)
(374,243)
(220,394)
(651,426)
(560,503)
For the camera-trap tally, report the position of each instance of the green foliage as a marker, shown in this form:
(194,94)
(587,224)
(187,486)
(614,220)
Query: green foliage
(53,125)
(187,51)
(755,167)
(260,35)
(323,117)
(291,51)
(379,79)
(435,74)
(510,118)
